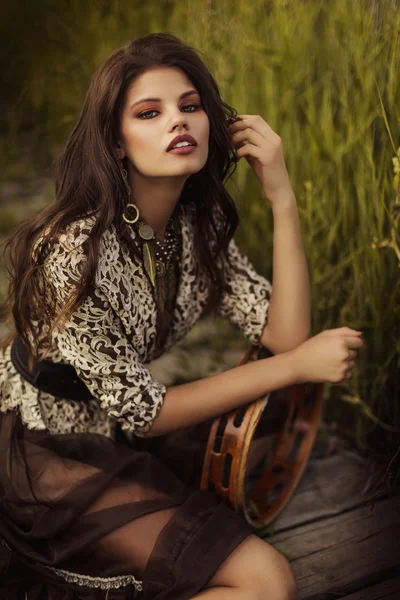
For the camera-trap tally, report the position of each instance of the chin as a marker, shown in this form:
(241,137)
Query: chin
(187,171)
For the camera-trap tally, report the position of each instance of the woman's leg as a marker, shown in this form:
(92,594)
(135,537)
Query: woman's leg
(254,571)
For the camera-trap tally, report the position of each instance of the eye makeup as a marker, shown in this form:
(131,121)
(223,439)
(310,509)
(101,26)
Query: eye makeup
(182,96)
(150,110)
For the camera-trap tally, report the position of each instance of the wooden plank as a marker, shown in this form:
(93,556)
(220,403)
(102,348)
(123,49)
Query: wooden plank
(342,554)
(389,590)
(330,485)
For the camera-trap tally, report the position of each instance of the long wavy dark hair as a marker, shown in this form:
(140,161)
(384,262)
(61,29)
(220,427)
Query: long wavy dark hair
(89,182)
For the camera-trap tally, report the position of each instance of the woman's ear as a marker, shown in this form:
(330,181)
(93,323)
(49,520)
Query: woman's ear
(120,151)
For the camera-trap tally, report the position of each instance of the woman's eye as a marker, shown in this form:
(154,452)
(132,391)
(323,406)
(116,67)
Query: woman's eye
(146,112)
(189,105)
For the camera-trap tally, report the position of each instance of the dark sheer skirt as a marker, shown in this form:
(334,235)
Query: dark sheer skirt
(85,517)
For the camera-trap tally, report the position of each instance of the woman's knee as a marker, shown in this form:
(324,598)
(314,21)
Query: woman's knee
(255,566)
(270,574)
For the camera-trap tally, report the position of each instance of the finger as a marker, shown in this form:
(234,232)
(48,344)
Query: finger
(354,342)
(256,122)
(348,331)
(248,135)
(350,362)
(249,150)
(344,331)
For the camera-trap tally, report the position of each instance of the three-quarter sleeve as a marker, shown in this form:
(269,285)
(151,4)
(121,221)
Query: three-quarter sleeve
(93,342)
(245,301)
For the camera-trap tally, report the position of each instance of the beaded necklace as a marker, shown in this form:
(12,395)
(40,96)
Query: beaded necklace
(157,257)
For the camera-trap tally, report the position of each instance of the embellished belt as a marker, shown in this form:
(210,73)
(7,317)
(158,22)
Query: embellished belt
(57,379)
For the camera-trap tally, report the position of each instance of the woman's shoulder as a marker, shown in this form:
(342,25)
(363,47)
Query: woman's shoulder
(70,238)
(76,233)
(67,251)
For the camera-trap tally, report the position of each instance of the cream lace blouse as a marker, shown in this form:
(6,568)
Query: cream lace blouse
(111,337)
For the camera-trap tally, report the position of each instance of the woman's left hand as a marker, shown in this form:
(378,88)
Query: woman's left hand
(254,139)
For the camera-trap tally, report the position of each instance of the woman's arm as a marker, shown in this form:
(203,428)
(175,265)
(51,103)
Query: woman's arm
(197,401)
(289,313)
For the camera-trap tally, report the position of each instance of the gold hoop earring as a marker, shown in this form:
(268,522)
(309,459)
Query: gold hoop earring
(137,214)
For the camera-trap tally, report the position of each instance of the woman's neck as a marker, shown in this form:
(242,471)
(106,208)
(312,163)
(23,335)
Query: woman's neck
(156,201)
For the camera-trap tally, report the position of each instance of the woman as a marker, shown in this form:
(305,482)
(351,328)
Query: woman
(137,247)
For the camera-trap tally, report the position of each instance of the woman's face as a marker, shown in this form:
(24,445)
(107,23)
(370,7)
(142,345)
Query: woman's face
(149,126)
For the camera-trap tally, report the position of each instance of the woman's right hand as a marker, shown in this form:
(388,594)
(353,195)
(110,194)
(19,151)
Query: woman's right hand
(327,357)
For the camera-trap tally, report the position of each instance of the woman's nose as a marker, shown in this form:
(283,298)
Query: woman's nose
(179,119)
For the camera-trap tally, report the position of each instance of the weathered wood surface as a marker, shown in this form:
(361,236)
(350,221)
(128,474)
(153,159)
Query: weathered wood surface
(387,590)
(339,555)
(337,545)
(331,484)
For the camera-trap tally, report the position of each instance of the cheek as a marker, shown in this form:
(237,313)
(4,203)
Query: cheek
(138,138)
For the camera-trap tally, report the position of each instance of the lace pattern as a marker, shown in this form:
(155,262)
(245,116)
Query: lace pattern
(111,337)
(4,543)
(103,583)
(246,300)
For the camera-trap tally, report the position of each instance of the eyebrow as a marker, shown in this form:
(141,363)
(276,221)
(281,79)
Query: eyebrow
(184,95)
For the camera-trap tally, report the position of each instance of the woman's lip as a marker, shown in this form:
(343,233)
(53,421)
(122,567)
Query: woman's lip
(183,150)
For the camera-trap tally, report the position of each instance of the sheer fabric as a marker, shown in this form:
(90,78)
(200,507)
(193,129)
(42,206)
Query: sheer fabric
(96,516)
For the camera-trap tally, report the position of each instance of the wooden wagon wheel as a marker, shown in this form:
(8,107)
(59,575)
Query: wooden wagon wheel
(257,453)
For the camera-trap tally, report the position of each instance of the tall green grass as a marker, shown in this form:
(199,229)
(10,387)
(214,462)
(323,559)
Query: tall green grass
(325,76)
